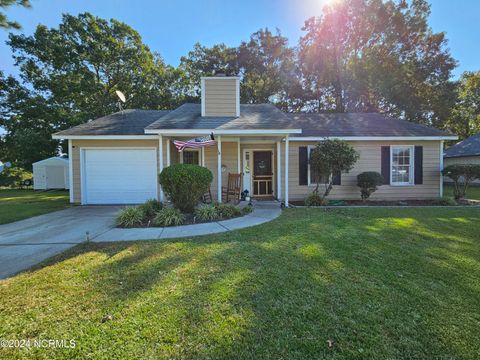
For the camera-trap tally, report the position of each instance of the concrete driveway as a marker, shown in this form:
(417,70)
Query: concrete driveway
(28,242)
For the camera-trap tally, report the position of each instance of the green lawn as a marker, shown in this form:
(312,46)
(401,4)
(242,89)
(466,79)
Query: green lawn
(21,204)
(379,283)
(473,192)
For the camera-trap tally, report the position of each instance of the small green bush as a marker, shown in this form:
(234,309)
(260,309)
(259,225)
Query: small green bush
(462,175)
(315,200)
(169,217)
(150,208)
(247,210)
(13,177)
(446,201)
(129,217)
(184,184)
(227,211)
(207,213)
(368,183)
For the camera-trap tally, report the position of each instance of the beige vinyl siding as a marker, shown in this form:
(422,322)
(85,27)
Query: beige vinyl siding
(220,97)
(370,160)
(78,144)
(229,159)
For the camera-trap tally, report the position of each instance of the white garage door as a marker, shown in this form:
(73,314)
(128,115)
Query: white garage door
(123,176)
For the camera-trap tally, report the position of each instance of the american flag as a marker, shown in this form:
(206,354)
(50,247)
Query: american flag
(195,143)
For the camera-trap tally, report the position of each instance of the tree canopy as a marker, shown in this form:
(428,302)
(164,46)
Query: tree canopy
(359,56)
(5,23)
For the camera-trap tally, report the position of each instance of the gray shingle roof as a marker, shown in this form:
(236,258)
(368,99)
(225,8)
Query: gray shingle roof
(468,147)
(128,122)
(359,124)
(252,117)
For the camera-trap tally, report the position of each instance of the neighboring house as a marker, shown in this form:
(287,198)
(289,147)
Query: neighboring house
(464,152)
(117,158)
(51,173)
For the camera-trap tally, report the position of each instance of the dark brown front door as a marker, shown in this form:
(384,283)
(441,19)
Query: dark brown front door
(262,173)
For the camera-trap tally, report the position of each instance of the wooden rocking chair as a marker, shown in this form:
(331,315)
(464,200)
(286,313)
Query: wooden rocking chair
(233,189)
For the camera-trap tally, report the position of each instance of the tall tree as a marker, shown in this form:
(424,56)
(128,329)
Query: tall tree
(370,55)
(29,122)
(465,118)
(5,23)
(205,61)
(81,64)
(267,66)
(71,74)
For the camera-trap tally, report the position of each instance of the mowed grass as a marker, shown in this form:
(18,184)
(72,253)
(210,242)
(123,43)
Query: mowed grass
(473,191)
(376,283)
(21,204)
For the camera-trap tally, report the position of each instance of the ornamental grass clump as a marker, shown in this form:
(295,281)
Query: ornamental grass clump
(227,211)
(150,208)
(130,217)
(169,217)
(207,213)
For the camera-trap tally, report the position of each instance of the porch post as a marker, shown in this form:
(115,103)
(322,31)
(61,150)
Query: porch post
(279,171)
(160,160)
(168,152)
(239,168)
(286,171)
(441,168)
(202,152)
(219,169)
(70,170)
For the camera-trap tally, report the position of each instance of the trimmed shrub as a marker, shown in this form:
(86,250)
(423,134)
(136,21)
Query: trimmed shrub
(169,217)
(207,213)
(184,184)
(13,177)
(129,217)
(227,211)
(150,208)
(446,201)
(368,183)
(315,200)
(462,175)
(247,210)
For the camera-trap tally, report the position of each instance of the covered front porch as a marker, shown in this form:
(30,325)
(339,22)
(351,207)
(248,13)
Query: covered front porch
(261,160)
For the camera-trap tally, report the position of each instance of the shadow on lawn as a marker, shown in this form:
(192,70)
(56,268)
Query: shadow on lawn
(382,285)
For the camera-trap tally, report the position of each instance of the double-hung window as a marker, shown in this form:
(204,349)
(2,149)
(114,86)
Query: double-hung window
(190,157)
(402,165)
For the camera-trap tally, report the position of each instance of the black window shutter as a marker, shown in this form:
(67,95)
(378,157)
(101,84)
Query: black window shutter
(303,165)
(418,172)
(337,179)
(386,164)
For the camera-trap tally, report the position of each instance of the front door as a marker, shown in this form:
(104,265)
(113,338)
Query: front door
(262,173)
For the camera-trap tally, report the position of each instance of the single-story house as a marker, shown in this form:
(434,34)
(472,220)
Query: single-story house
(116,159)
(465,152)
(51,173)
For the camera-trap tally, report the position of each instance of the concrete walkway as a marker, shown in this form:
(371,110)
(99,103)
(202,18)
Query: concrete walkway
(27,242)
(264,211)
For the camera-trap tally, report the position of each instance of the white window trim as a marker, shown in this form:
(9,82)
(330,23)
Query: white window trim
(192,150)
(411,181)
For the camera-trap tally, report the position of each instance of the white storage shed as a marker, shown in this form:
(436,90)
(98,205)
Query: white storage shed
(51,173)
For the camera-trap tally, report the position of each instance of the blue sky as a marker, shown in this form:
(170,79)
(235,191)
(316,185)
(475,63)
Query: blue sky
(173,27)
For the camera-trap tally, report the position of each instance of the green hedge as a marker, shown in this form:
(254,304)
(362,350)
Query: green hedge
(184,184)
